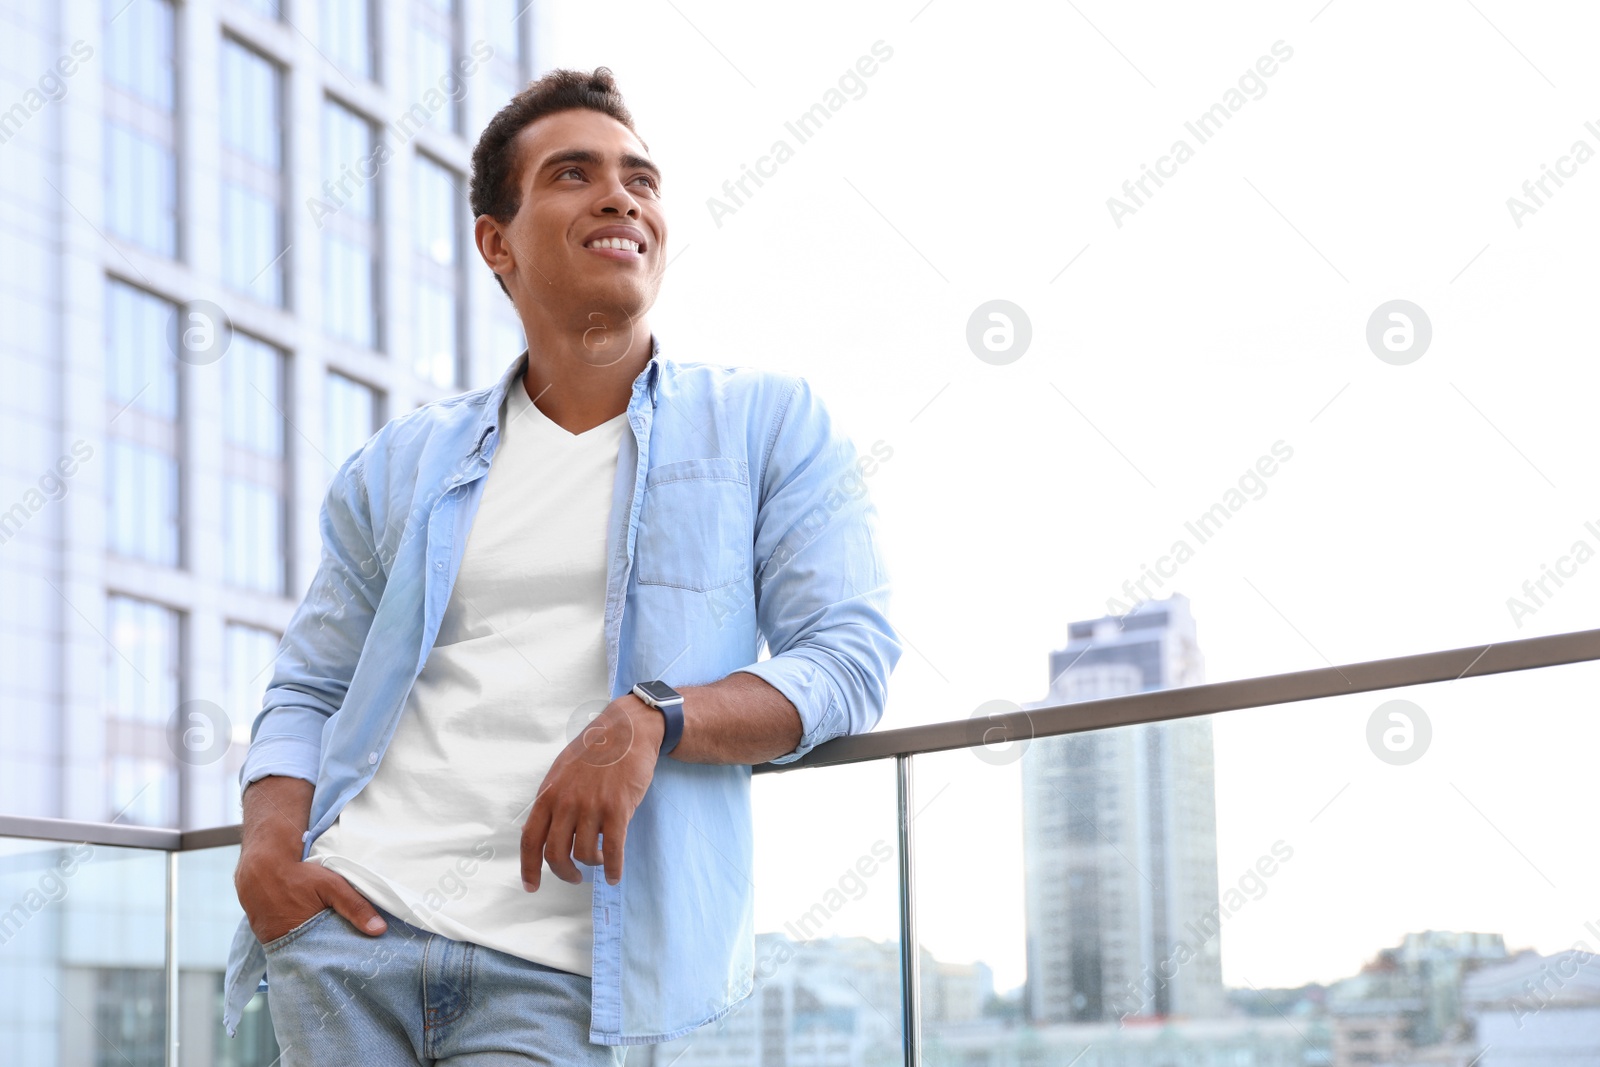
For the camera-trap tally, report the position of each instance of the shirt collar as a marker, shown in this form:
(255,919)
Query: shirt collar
(489,423)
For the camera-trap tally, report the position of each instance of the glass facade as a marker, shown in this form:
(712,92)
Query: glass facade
(256,471)
(436,83)
(436,259)
(142,695)
(253,248)
(141,125)
(349,37)
(245,177)
(353,411)
(267,9)
(508,25)
(142,412)
(348,219)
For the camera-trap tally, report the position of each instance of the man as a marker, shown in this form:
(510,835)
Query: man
(498,567)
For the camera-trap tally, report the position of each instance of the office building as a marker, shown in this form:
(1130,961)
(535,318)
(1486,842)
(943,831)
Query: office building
(238,240)
(1120,835)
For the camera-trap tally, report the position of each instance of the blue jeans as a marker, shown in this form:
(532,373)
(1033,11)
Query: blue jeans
(339,997)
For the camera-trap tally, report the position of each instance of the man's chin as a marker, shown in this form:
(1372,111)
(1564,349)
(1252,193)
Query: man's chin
(614,305)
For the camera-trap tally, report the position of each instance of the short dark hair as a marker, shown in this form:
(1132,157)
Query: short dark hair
(495,188)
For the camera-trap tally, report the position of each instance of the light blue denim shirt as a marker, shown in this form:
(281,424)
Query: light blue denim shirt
(739,517)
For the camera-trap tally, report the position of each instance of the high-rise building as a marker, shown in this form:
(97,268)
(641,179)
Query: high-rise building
(237,239)
(1120,835)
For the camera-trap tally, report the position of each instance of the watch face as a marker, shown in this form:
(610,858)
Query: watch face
(659,691)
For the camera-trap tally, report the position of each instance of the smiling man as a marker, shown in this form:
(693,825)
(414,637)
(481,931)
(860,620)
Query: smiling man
(532,649)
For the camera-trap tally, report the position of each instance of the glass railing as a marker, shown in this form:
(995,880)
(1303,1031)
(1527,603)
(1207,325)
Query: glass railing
(1373,863)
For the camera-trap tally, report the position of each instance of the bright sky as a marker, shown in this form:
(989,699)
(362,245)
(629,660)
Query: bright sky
(1227,313)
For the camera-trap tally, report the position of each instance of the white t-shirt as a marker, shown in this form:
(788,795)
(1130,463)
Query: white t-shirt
(518,667)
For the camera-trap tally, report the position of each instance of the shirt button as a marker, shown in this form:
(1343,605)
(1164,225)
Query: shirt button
(372,757)
(438,564)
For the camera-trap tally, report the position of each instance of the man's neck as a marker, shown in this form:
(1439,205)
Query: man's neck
(580,380)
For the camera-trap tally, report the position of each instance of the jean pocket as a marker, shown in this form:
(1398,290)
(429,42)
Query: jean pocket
(695,527)
(279,942)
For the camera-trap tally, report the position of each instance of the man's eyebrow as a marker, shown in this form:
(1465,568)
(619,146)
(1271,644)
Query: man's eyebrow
(584,155)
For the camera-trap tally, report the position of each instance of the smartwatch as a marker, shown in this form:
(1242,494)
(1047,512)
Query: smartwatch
(669,702)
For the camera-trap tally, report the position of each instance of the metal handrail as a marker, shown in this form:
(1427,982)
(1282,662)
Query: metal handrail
(1162,705)
(1157,706)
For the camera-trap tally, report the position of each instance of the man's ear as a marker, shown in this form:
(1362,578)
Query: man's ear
(492,243)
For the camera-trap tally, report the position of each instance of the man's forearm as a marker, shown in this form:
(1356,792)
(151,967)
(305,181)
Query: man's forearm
(277,811)
(740,719)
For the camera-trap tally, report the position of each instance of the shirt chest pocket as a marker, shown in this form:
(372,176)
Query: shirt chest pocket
(695,528)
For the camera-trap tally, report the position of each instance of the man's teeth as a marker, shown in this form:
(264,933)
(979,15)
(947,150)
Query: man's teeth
(615,242)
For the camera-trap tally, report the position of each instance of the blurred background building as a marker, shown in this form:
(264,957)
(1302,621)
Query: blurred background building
(237,238)
(1120,834)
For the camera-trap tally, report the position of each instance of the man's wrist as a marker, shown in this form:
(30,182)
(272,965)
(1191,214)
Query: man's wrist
(649,724)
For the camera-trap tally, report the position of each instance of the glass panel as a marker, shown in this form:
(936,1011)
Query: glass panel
(252,388)
(142,696)
(349,160)
(252,244)
(436,335)
(272,9)
(827,979)
(436,238)
(352,417)
(347,33)
(141,189)
(1384,877)
(436,212)
(210,914)
(143,498)
(139,49)
(82,954)
(505,20)
(254,496)
(141,371)
(252,136)
(506,344)
(250,98)
(349,312)
(252,532)
(433,74)
(347,216)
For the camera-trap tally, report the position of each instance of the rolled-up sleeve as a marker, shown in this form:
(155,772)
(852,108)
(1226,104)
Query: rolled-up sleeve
(323,641)
(822,588)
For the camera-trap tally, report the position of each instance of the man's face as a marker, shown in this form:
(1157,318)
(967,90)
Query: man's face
(590,236)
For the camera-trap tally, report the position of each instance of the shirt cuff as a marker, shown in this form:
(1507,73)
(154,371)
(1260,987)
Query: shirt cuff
(808,687)
(282,754)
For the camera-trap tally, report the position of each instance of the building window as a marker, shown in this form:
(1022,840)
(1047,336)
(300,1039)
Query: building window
(436,81)
(253,249)
(352,417)
(506,343)
(255,468)
(349,36)
(347,215)
(267,9)
(141,697)
(507,28)
(142,412)
(249,655)
(436,265)
(141,137)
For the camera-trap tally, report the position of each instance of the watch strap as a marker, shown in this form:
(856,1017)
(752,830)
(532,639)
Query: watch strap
(672,711)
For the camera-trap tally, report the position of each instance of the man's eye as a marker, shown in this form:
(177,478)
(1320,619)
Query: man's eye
(569,170)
